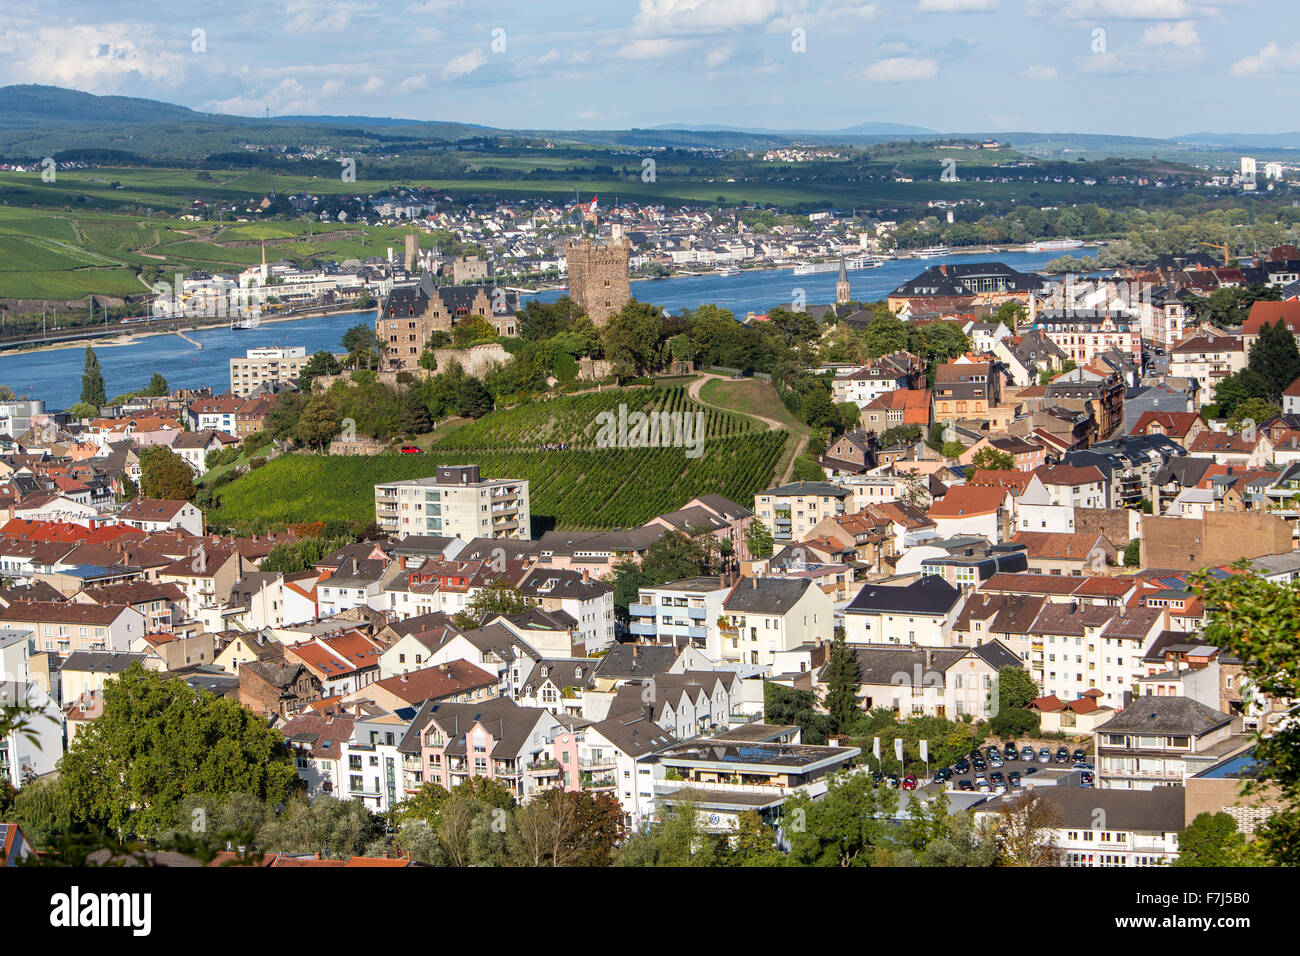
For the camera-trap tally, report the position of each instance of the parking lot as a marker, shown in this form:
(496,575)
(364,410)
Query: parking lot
(1032,773)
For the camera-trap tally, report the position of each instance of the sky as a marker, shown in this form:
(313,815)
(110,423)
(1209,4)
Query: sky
(1135,67)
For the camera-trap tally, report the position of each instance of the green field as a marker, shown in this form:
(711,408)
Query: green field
(582,488)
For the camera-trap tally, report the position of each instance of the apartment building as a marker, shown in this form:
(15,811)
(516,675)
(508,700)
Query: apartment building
(1162,741)
(763,617)
(1209,359)
(679,612)
(266,366)
(792,511)
(456,502)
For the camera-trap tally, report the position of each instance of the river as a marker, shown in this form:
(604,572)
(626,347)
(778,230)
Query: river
(55,374)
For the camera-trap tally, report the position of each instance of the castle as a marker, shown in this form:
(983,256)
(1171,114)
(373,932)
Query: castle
(411,313)
(598,277)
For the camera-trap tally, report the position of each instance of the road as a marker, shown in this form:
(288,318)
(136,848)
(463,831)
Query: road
(693,390)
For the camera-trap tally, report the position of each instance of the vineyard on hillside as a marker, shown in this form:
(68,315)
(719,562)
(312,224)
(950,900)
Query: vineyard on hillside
(574,420)
(605,488)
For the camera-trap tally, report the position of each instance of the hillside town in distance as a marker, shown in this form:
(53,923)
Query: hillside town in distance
(992,603)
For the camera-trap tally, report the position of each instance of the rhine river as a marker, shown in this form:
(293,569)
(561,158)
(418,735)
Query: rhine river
(55,375)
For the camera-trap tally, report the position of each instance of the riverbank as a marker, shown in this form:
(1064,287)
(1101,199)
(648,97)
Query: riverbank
(133,338)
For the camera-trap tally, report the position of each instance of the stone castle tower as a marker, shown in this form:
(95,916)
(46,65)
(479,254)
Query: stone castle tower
(598,277)
(842,285)
(412,251)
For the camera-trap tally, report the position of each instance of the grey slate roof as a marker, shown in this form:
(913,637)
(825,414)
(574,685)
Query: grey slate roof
(1165,715)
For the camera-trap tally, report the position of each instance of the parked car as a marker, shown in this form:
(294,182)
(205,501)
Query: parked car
(893,780)
(996,777)
(1078,756)
(1062,755)
(1009,750)
(1013,778)
(1085,765)
(1030,769)
(1044,756)
(877,777)
(1027,753)
(965,785)
(961,766)
(412,450)
(942,775)
(909,782)
(995,760)
(984,786)
(1086,779)
(978,763)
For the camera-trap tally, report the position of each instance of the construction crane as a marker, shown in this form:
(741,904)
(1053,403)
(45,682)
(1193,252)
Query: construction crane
(1221,246)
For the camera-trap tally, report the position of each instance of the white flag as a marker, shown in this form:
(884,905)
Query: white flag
(898,748)
(875,748)
(925,750)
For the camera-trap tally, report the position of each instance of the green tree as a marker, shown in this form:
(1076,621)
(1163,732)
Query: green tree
(1275,359)
(320,363)
(794,707)
(473,400)
(157,387)
(1010,314)
(81,410)
(362,346)
(758,539)
(989,458)
(1133,553)
(1214,840)
(680,839)
(1258,621)
(842,686)
(845,827)
(900,435)
(165,474)
(159,739)
(1256,410)
(472,329)
(92,380)
(498,598)
(318,424)
(336,829)
(1014,689)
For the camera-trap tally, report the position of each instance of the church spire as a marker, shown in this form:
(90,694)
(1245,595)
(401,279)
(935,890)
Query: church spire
(842,285)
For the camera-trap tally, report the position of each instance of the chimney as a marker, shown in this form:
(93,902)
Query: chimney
(634,647)
(754,583)
(649,712)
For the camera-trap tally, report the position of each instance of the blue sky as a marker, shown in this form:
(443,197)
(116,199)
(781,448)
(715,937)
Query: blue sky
(1160,67)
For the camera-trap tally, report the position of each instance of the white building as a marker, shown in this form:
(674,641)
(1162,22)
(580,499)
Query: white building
(455,502)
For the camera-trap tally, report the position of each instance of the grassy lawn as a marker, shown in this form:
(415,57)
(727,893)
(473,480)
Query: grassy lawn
(758,397)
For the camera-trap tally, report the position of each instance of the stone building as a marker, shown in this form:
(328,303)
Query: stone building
(412,313)
(598,279)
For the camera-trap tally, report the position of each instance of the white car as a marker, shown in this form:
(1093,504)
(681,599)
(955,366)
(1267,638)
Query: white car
(1044,756)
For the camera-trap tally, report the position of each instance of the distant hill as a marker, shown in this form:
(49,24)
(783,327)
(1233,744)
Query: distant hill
(30,105)
(40,120)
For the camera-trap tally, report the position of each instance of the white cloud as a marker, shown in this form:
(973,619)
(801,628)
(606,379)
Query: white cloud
(97,59)
(1122,9)
(653,49)
(588,115)
(1182,33)
(901,69)
(956,6)
(718,56)
(464,64)
(323,16)
(1271,60)
(373,85)
(413,84)
(1040,72)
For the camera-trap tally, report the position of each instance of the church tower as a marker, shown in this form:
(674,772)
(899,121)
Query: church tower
(842,285)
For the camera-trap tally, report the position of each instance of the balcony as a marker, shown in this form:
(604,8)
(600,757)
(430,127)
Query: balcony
(696,613)
(641,610)
(699,633)
(643,628)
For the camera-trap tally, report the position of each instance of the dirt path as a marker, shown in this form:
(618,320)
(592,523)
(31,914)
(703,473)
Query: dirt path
(693,390)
